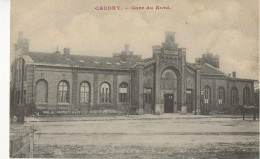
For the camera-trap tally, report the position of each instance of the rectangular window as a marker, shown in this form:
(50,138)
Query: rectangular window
(221,96)
(147,95)
(123,97)
(123,93)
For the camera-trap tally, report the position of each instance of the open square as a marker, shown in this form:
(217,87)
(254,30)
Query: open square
(146,136)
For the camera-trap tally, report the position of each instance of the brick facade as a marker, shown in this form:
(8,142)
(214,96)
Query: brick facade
(148,84)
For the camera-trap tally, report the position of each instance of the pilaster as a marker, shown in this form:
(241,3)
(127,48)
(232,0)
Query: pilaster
(158,106)
(114,100)
(183,81)
(95,86)
(198,91)
(140,72)
(74,87)
(214,95)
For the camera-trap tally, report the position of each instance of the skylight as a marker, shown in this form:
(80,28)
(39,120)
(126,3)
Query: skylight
(122,61)
(81,61)
(96,62)
(108,63)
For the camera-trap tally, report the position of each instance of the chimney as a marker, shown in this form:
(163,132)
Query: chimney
(126,48)
(116,56)
(22,45)
(169,37)
(156,48)
(66,51)
(234,74)
(20,35)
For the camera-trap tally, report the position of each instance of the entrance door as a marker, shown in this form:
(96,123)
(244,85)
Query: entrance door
(168,103)
(189,100)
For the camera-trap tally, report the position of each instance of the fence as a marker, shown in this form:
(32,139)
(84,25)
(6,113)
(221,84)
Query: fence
(57,110)
(97,110)
(21,141)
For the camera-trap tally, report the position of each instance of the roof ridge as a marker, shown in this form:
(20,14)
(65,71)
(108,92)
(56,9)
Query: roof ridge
(213,67)
(190,65)
(78,60)
(71,54)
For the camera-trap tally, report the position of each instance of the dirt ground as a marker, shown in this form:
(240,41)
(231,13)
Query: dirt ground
(146,136)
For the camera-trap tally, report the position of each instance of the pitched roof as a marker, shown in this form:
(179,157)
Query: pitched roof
(147,60)
(78,60)
(208,69)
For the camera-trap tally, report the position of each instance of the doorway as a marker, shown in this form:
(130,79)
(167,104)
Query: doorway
(189,100)
(168,103)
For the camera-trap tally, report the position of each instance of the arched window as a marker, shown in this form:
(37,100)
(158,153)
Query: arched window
(41,91)
(246,96)
(84,93)
(105,93)
(169,80)
(221,95)
(63,89)
(234,96)
(207,95)
(123,93)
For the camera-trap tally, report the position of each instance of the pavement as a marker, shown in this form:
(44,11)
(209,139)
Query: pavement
(54,118)
(146,136)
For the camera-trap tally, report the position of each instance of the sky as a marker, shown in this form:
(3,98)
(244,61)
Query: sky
(228,28)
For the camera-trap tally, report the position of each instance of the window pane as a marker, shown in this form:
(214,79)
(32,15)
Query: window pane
(65,87)
(81,89)
(63,92)
(60,97)
(81,98)
(123,92)
(87,98)
(84,90)
(105,93)
(207,95)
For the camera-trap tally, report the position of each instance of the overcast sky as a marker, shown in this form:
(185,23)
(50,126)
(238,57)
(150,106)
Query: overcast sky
(228,28)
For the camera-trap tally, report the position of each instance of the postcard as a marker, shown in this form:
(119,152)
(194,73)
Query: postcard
(134,79)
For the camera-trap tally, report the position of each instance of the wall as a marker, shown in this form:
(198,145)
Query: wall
(214,82)
(191,82)
(240,85)
(126,79)
(88,77)
(210,82)
(148,82)
(75,77)
(53,76)
(95,77)
(135,90)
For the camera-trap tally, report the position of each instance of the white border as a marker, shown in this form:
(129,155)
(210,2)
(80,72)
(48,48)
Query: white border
(5,75)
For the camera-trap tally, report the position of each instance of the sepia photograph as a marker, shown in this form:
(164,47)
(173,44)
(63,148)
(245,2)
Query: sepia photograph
(134,79)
